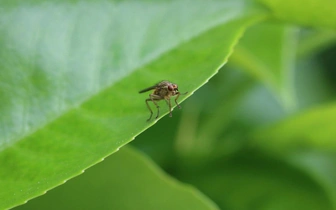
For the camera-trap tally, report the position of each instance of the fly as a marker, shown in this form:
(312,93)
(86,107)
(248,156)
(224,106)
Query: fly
(162,90)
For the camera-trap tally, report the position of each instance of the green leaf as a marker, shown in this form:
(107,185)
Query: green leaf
(318,13)
(126,180)
(310,129)
(319,166)
(267,52)
(71,72)
(315,41)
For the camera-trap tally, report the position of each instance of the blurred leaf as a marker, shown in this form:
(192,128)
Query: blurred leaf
(70,73)
(312,87)
(310,129)
(126,180)
(319,166)
(267,52)
(312,42)
(318,13)
(251,180)
(260,107)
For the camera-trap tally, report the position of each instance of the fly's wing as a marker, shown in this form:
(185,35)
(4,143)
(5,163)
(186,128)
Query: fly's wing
(159,85)
(148,89)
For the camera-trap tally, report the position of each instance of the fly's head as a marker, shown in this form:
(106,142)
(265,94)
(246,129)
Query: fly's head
(173,89)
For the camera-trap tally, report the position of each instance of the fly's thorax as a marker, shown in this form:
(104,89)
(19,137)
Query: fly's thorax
(162,92)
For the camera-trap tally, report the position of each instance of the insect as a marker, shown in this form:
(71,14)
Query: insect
(162,90)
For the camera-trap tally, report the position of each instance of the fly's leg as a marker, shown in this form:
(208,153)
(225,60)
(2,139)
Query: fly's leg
(178,105)
(151,112)
(158,108)
(153,98)
(178,95)
(170,107)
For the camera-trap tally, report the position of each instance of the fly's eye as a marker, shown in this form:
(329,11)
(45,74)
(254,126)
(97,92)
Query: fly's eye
(170,88)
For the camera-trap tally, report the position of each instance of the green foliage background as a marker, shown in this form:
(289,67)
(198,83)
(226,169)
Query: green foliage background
(255,133)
